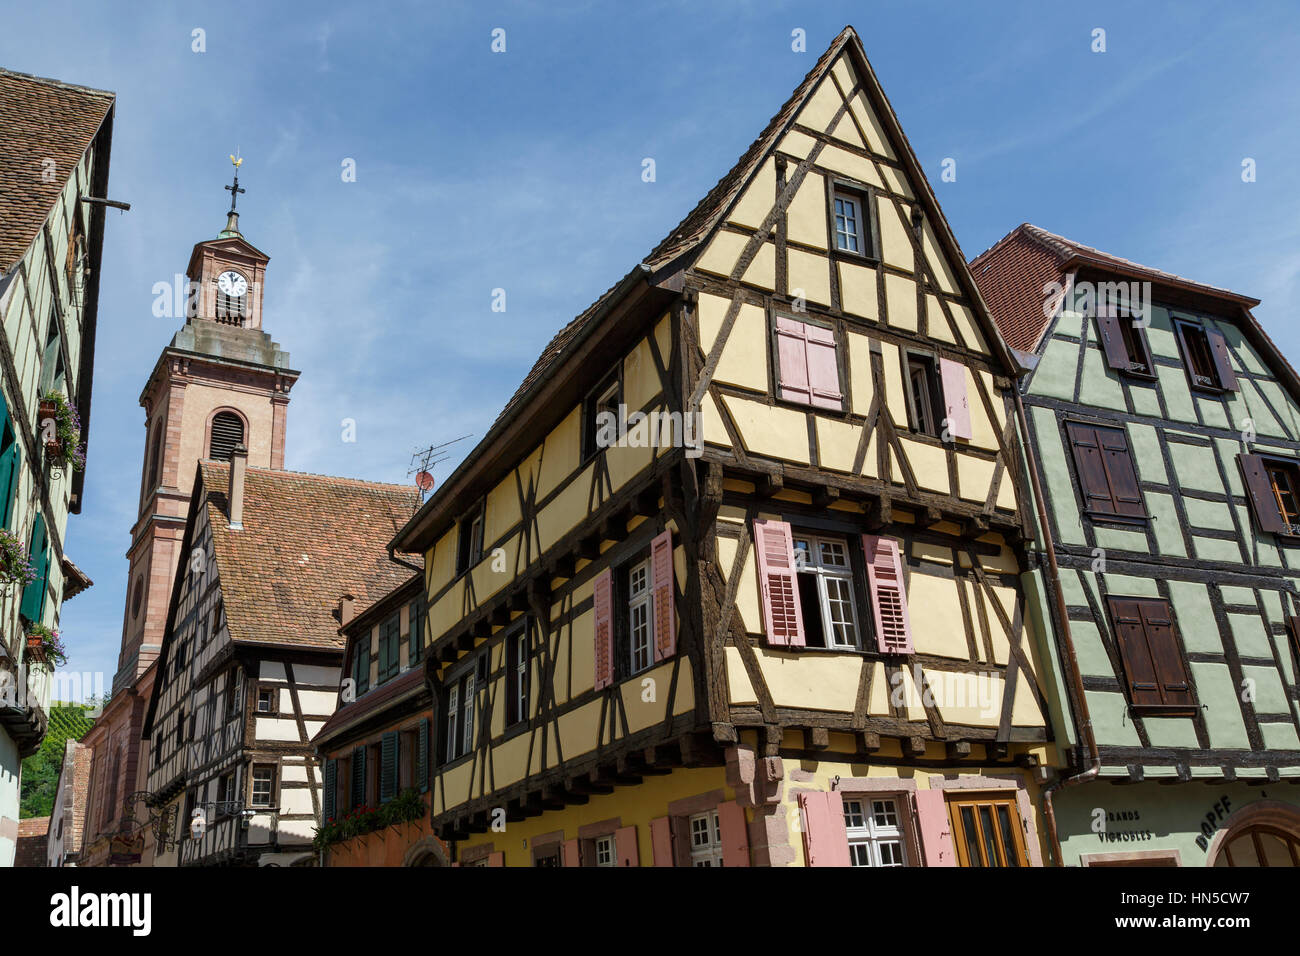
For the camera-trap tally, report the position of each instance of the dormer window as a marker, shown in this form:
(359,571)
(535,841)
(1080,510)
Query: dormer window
(1205,353)
(232,298)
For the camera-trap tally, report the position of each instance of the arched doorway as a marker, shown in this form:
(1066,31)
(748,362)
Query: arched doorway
(428,852)
(1265,833)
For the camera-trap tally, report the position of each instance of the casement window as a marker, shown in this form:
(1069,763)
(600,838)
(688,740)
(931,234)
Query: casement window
(874,828)
(415,647)
(706,839)
(460,714)
(1154,669)
(645,624)
(361,664)
(469,548)
(605,851)
(517,683)
(1108,479)
(787,597)
(600,415)
(987,831)
(10,466)
(1273,485)
(52,373)
(808,370)
(850,235)
(226,793)
(923,394)
(263,793)
(937,400)
(638,613)
(266,700)
(1205,355)
(825,580)
(1123,342)
(390,655)
(232,694)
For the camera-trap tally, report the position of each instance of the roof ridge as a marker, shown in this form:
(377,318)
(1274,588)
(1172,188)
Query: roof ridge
(50,81)
(337,479)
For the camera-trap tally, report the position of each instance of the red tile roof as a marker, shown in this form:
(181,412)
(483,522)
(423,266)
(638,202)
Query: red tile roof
(306,541)
(32,839)
(40,120)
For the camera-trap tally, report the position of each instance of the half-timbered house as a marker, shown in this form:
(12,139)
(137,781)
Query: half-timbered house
(737,576)
(249,667)
(1166,427)
(376,750)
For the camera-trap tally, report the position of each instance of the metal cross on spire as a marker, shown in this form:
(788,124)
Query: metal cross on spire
(235,189)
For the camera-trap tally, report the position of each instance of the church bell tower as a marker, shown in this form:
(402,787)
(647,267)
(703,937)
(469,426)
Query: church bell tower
(221,382)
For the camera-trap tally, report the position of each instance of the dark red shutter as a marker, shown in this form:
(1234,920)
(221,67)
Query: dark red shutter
(1120,471)
(1112,336)
(1091,468)
(1153,660)
(1139,668)
(1175,687)
(1260,490)
(1222,363)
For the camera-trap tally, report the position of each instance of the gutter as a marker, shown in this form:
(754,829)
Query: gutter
(1083,718)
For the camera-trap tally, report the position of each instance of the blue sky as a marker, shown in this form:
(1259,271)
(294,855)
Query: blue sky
(522,170)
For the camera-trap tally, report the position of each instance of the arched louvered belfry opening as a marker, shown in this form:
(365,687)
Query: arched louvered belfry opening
(227,432)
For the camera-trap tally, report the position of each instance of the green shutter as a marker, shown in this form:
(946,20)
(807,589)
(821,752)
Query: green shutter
(331,781)
(416,649)
(10,461)
(422,756)
(33,605)
(358,776)
(388,768)
(362,674)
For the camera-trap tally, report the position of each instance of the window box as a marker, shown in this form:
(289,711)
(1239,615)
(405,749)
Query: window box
(60,427)
(43,645)
(15,565)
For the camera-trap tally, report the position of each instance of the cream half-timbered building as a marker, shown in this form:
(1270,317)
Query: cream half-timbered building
(249,669)
(756,597)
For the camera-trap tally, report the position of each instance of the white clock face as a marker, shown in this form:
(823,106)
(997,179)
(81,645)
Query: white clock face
(232,284)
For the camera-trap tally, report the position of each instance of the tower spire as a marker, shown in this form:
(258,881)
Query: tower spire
(232,217)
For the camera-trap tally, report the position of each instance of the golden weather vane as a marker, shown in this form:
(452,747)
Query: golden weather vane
(237,161)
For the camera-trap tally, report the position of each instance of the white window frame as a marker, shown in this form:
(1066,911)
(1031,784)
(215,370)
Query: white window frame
(640,635)
(813,563)
(705,831)
(605,855)
(467,715)
(453,718)
(521,674)
(270,794)
(872,834)
(858,211)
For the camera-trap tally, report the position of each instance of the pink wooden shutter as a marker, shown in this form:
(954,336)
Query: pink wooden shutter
(782,615)
(825,840)
(954,397)
(625,846)
(1222,364)
(497,859)
(888,595)
(735,834)
(792,361)
(663,589)
(823,370)
(661,841)
(936,831)
(572,853)
(604,630)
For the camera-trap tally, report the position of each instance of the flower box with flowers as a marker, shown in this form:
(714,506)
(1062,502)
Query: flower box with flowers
(44,645)
(15,565)
(359,821)
(60,428)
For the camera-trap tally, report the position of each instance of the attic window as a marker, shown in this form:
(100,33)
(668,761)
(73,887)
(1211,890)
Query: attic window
(469,547)
(850,219)
(227,432)
(601,404)
(1205,353)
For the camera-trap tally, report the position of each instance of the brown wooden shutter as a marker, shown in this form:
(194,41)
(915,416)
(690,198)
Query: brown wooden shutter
(1175,686)
(1149,647)
(604,629)
(1139,668)
(1293,626)
(1092,470)
(1112,336)
(1222,363)
(497,859)
(1121,472)
(1260,490)
(1107,476)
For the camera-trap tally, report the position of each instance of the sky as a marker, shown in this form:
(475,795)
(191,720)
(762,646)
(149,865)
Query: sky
(521,171)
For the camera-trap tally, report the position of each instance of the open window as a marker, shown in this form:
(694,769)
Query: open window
(924,394)
(825,578)
(469,545)
(517,674)
(600,415)
(1124,341)
(1273,484)
(1205,355)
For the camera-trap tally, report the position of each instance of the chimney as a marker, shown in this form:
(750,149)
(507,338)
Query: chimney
(235,494)
(347,610)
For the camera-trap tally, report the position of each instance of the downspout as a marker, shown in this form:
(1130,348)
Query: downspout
(1083,718)
(392,556)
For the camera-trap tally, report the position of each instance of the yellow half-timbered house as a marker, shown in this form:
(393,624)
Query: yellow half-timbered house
(737,577)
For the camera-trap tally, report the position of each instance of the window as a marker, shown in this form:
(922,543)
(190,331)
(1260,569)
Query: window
(848,223)
(517,676)
(415,615)
(227,432)
(875,831)
(460,715)
(706,839)
(600,415)
(52,358)
(469,548)
(361,664)
(924,395)
(1273,484)
(638,615)
(226,793)
(1205,355)
(389,648)
(1107,477)
(1260,845)
(1153,661)
(808,371)
(987,832)
(266,700)
(232,695)
(155,455)
(263,786)
(605,851)
(1123,341)
(825,580)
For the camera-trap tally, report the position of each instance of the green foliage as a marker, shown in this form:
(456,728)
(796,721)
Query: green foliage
(403,808)
(40,775)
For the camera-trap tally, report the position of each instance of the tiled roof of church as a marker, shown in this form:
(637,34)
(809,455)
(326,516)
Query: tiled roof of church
(40,121)
(306,540)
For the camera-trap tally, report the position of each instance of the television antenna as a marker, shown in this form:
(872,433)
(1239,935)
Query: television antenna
(423,461)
